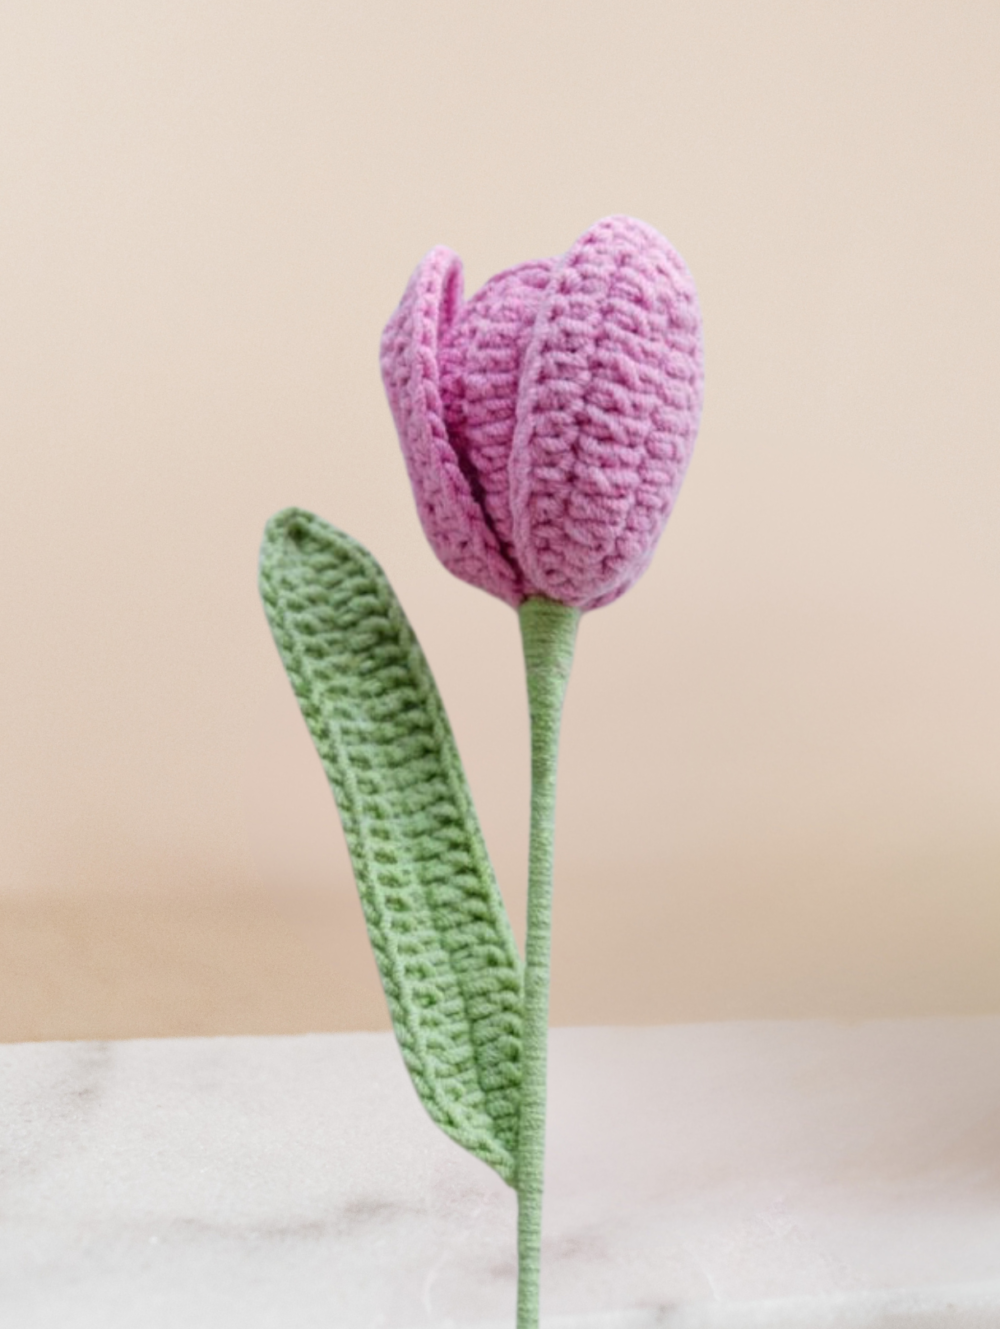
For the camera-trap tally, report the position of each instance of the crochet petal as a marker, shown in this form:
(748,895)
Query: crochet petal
(481,355)
(607,414)
(452,519)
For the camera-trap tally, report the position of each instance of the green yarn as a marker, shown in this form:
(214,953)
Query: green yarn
(548,633)
(442,941)
(471,1020)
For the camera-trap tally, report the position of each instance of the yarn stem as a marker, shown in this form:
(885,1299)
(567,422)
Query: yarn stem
(548,633)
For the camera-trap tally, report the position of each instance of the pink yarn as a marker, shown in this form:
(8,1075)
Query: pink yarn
(547,422)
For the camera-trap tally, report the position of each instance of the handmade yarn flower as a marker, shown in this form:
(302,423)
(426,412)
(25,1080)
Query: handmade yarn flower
(547,422)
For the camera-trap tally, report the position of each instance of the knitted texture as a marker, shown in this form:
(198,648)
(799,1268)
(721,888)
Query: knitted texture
(547,422)
(449,965)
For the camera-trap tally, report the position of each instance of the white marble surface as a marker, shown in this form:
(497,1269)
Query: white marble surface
(787,1175)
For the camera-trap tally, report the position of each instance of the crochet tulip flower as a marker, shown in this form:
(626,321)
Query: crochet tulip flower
(548,421)
(546,424)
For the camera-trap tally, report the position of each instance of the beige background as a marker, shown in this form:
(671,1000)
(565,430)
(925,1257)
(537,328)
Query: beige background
(781,774)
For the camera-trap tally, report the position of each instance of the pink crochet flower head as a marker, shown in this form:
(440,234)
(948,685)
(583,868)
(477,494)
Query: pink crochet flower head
(548,421)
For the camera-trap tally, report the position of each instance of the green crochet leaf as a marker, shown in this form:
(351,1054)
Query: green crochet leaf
(449,964)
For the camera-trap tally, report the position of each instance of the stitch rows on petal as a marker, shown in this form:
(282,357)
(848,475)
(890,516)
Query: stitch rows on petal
(608,413)
(452,519)
(481,358)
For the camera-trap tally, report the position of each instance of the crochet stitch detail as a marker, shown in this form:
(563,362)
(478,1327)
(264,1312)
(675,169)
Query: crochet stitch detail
(547,423)
(442,941)
(481,355)
(448,509)
(608,412)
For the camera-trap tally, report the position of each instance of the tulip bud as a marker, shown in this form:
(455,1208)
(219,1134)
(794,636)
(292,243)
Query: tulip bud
(547,422)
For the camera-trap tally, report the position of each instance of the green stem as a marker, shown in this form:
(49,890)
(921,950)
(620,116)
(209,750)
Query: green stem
(548,631)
